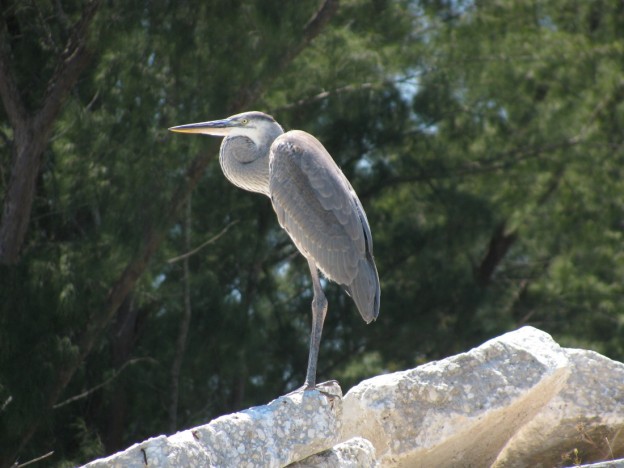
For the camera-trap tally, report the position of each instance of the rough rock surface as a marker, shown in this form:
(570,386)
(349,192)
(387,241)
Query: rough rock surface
(354,453)
(286,430)
(460,411)
(519,400)
(584,421)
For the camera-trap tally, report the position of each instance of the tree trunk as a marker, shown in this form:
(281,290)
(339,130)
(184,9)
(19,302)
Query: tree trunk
(28,147)
(32,130)
(123,339)
(184,327)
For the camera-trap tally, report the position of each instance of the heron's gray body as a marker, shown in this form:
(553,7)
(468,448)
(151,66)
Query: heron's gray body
(314,203)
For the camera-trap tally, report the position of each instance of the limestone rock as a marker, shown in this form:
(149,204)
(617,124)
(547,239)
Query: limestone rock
(519,400)
(607,464)
(354,453)
(286,430)
(460,411)
(584,422)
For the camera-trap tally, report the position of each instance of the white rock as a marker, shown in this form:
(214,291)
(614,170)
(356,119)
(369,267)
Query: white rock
(294,427)
(354,453)
(519,400)
(460,411)
(607,464)
(586,415)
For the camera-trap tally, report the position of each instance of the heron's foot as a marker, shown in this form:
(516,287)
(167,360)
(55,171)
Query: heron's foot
(330,393)
(329,383)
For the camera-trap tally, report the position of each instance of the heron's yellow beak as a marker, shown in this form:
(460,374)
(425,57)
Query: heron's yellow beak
(215,127)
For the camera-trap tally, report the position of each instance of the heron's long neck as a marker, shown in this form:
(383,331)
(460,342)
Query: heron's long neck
(245,163)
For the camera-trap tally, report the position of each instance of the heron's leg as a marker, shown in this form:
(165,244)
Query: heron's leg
(319,310)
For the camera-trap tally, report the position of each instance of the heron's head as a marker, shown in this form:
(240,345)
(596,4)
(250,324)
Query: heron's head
(257,126)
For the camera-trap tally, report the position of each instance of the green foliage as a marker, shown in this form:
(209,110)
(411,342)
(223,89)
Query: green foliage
(484,139)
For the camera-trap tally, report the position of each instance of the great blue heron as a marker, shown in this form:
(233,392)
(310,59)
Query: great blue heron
(314,202)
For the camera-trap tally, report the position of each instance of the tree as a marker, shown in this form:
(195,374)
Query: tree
(484,140)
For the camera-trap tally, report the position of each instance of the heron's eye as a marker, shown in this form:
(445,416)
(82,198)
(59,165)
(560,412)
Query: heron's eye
(244,121)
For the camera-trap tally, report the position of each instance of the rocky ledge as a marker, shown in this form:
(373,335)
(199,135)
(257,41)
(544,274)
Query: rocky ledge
(519,400)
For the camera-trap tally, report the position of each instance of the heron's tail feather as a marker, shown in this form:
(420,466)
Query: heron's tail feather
(365,290)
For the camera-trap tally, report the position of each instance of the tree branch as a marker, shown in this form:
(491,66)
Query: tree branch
(9,91)
(350,88)
(311,30)
(71,63)
(212,240)
(500,243)
(502,239)
(88,392)
(495,163)
(34,460)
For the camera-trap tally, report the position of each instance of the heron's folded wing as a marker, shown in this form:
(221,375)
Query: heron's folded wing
(316,205)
